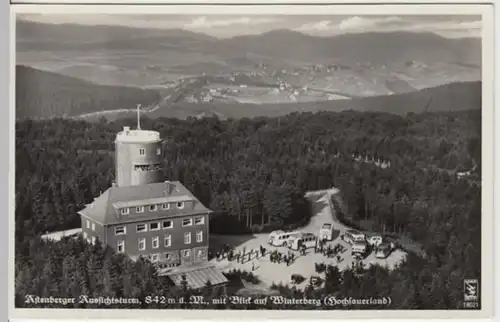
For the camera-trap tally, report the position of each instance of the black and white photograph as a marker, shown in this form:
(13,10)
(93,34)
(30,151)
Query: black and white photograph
(280,162)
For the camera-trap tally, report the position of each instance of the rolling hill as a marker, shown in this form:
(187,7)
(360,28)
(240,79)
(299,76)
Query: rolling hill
(41,94)
(451,97)
(379,48)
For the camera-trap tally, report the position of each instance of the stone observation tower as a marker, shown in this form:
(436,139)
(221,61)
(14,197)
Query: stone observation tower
(138,155)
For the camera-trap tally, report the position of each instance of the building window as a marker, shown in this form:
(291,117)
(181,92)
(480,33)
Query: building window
(142,228)
(158,151)
(124,211)
(199,236)
(122,230)
(199,220)
(88,224)
(168,224)
(186,252)
(139,209)
(168,241)
(121,246)
(93,240)
(152,208)
(154,258)
(156,242)
(187,222)
(142,243)
(93,226)
(167,256)
(142,151)
(180,205)
(199,253)
(84,235)
(165,206)
(154,226)
(187,238)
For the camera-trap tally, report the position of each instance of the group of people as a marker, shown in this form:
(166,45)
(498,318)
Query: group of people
(242,256)
(278,257)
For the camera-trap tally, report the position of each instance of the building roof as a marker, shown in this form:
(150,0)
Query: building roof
(197,275)
(105,209)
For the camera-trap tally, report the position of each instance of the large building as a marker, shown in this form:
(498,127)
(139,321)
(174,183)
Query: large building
(143,215)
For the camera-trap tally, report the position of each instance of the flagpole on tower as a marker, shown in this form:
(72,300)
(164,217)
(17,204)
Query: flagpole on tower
(138,116)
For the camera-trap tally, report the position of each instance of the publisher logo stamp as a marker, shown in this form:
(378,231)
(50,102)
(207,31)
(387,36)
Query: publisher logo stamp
(471,290)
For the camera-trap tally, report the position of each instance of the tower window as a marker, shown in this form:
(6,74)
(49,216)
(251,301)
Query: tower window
(142,151)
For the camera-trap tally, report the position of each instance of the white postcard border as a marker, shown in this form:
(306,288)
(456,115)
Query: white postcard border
(487,159)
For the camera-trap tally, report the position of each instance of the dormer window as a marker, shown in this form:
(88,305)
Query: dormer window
(165,206)
(180,205)
(124,211)
(152,208)
(139,209)
(142,151)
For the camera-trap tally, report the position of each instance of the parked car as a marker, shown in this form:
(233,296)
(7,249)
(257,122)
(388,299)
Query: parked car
(352,236)
(280,237)
(359,247)
(374,240)
(384,250)
(326,232)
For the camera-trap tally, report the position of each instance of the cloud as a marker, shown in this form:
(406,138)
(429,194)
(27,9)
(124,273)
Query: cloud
(205,22)
(360,24)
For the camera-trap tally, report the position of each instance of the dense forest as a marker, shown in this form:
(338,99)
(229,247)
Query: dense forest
(42,94)
(253,174)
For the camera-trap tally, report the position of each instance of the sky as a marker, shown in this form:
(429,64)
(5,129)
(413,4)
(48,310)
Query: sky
(224,26)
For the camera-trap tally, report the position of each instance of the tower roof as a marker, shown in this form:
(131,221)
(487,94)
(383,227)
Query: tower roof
(137,136)
(105,209)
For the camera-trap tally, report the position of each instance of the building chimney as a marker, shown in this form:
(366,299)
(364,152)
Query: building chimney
(168,187)
(126,129)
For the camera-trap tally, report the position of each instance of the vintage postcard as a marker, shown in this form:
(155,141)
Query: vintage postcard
(197,161)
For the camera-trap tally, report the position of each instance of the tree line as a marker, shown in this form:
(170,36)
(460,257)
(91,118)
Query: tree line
(254,172)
